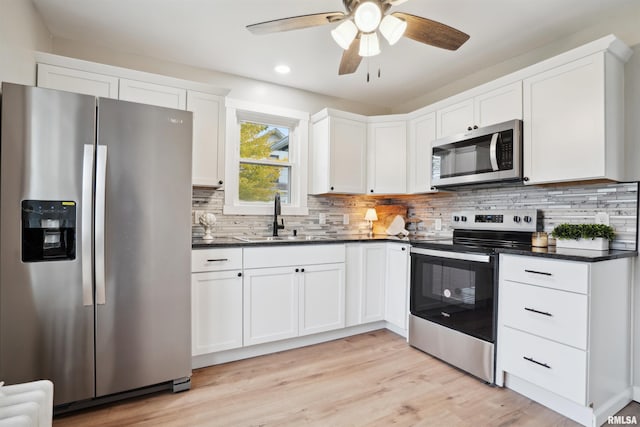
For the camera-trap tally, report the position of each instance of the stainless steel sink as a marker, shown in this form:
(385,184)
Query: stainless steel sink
(302,238)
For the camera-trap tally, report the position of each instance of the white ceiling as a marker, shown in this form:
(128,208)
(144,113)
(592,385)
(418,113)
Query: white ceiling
(211,34)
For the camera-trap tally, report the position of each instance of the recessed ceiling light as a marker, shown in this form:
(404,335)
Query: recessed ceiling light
(282,69)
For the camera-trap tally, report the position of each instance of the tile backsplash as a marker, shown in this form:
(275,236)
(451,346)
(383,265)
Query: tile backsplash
(574,203)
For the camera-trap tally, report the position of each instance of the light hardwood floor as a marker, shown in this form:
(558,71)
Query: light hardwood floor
(372,379)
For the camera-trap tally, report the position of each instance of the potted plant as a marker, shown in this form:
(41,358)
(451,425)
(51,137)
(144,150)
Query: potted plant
(583,236)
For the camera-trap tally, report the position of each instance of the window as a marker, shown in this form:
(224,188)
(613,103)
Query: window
(266,154)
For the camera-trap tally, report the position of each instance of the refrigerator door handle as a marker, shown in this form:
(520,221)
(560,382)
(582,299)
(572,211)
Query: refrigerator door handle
(101,177)
(87,206)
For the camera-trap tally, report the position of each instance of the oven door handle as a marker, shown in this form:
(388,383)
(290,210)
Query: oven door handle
(452,255)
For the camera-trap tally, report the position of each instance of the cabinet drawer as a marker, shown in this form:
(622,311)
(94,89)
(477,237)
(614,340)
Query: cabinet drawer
(216,259)
(293,255)
(564,275)
(552,366)
(558,315)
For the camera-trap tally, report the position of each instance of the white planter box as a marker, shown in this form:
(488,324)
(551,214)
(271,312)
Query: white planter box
(598,244)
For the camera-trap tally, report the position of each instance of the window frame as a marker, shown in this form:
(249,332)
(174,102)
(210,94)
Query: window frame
(298,123)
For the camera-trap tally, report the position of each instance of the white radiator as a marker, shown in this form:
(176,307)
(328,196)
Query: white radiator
(26,405)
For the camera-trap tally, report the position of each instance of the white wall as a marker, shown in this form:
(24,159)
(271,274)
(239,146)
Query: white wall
(21,33)
(624,23)
(241,87)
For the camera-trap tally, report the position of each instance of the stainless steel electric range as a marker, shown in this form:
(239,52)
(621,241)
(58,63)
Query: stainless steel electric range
(453,292)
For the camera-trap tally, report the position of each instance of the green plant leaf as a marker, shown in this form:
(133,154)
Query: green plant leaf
(583,231)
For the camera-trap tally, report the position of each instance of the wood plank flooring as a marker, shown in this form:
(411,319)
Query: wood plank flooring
(373,379)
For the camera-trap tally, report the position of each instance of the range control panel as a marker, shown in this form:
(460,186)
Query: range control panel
(507,220)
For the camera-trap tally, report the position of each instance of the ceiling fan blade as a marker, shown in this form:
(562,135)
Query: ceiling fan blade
(396,2)
(350,58)
(432,32)
(296,22)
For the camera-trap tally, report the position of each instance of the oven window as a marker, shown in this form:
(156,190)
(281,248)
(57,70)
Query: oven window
(454,293)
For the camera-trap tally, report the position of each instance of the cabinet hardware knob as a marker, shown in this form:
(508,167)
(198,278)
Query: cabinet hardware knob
(532,360)
(404,249)
(371,190)
(475,126)
(525,179)
(533,310)
(469,128)
(239,274)
(544,273)
(331,188)
(302,270)
(220,182)
(297,270)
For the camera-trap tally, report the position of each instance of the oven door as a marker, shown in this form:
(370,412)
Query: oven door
(454,289)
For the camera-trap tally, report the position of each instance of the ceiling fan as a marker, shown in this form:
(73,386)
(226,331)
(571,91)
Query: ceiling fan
(357,33)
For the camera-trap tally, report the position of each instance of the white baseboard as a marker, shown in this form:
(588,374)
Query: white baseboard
(274,347)
(636,393)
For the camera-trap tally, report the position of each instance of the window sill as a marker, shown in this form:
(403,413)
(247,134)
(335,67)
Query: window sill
(263,210)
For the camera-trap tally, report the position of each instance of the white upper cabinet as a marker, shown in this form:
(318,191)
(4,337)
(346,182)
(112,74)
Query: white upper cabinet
(153,94)
(387,155)
(77,81)
(495,106)
(208,138)
(206,103)
(422,130)
(573,121)
(338,153)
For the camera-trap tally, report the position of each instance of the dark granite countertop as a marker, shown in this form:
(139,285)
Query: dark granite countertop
(441,242)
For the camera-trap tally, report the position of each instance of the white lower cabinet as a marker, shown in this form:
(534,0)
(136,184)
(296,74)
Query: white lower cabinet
(397,285)
(365,282)
(292,291)
(378,284)
(270,304)
(564,330)
(321,298)
(216,300)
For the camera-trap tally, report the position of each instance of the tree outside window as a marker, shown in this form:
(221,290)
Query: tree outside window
(265,168)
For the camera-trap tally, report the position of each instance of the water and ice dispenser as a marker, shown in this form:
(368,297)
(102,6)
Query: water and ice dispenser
(48,230)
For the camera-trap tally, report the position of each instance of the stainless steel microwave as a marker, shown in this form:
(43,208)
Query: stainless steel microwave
(488,154)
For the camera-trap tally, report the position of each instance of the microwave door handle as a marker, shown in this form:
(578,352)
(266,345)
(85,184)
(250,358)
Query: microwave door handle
(492,151)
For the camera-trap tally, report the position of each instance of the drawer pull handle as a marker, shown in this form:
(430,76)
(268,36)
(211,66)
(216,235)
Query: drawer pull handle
(218,260)
(533,310)
(532,360)
(538,272)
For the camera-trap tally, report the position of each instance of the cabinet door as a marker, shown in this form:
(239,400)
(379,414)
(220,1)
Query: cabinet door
(387,158)
(322,296)
(564,111)
(208,138)
(348,141)
(498,105)
(422,131)
(354,270)
(374,256)
(397,285)
(454,119)
(153,94)
(216,311)
(270,304)
(84,82)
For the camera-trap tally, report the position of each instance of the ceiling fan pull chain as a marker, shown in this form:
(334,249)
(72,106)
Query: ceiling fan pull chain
(367,70)
(378,72)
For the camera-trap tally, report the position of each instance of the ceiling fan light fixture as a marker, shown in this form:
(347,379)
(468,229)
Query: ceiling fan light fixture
(369,45)
(392,28)
(367,16)
(344,34)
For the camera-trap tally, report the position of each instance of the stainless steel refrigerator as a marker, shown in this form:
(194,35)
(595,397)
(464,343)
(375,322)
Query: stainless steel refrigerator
(95,243)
